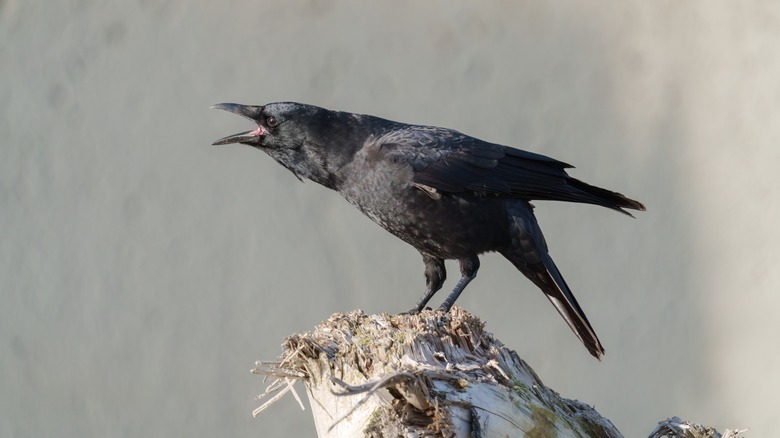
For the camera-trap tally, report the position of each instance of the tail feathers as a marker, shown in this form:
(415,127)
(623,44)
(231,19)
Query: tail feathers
(557,291)
(528,252)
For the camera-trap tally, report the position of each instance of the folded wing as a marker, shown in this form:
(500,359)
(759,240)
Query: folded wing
(452,162)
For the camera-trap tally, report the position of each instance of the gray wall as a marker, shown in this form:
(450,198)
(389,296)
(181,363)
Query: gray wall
(144,271)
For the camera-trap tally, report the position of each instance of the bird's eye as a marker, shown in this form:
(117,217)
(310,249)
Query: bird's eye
(271,121)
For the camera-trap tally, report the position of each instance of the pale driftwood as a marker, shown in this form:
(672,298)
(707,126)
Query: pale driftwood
(432,374)
(676,428)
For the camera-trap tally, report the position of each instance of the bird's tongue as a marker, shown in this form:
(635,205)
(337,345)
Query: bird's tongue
(250,112)
(258,132)
(241,137)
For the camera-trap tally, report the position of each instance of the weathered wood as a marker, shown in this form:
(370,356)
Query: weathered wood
(433,374)
(676,428)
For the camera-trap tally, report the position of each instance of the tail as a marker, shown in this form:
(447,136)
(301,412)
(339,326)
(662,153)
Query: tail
(553,285)
(528,252)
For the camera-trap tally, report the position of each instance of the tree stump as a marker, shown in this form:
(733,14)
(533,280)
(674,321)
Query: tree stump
(432,374)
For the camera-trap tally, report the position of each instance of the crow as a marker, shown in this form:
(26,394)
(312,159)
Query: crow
(449,195)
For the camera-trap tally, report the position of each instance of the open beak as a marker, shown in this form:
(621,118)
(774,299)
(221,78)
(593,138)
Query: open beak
(253,113)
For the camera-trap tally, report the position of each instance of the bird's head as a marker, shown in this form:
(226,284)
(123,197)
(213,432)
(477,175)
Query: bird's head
(305,139)
(279,125)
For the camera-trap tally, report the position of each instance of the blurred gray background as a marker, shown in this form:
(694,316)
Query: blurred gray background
(143,271)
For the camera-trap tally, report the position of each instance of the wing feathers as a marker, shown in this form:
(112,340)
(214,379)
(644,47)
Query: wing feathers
(452,162)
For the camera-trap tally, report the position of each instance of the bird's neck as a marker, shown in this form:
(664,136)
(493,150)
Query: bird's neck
(326,155)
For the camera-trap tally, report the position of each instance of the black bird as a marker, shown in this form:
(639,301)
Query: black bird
(449,195)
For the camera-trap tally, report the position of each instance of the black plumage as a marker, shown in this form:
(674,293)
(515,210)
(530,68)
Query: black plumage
(449,195)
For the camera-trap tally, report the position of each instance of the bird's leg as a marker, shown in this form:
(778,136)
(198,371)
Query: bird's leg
(468,270)
(435,274)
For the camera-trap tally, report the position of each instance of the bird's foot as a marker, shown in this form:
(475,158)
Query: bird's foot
(414,311)
(444,308)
